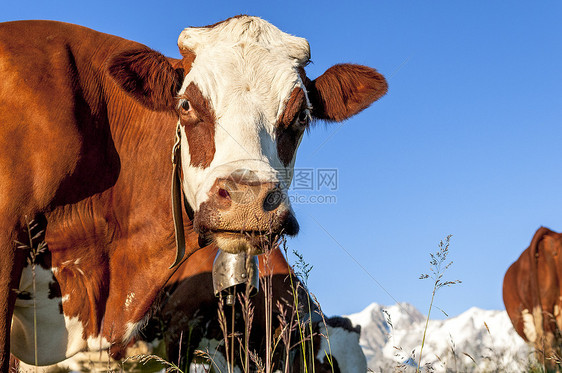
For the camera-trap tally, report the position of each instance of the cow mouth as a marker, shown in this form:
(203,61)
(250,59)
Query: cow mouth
(252,239)
(233,241)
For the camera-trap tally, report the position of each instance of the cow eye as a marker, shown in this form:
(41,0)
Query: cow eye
(185,106)
(303,118)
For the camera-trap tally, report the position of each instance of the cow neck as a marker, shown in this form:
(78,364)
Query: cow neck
(112,247)
(176,185)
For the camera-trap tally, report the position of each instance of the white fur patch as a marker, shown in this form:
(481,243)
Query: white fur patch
(98,343)
(131,329)
(246,68)
(58,337)
(529,326)
(344,346)
(129,300)
(134,327)
(231,245)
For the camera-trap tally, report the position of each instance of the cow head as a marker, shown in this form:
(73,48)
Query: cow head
(243,103)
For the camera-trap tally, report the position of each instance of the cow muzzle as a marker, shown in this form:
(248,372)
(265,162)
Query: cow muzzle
(244,213)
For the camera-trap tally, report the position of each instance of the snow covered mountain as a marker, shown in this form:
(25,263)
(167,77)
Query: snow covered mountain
(475,340)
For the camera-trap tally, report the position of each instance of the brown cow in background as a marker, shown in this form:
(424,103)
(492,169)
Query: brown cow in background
(532,295)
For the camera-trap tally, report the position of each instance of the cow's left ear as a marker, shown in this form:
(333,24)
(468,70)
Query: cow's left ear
(148,76)
(344,90)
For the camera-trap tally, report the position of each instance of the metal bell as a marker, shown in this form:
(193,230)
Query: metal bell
(231,272)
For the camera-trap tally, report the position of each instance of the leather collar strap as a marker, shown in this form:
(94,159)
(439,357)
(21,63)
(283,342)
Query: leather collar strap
(176,200)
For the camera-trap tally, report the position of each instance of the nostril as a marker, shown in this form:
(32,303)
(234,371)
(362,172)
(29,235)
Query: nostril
(224,193)
(272,200)
(291,225)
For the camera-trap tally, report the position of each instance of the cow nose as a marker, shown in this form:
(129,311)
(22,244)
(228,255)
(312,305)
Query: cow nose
(244,188)
(290,224)
(245,203)
(264,196)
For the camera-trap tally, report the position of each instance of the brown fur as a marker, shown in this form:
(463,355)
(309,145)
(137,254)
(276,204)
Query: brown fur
(287,132)
(92,159)
(344,90)
(532,283)
(199,125)
(148,76)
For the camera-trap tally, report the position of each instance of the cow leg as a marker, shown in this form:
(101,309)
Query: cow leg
(12,260)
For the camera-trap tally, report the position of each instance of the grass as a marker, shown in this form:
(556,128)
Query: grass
(288,321)
(288,328)
(490,358)
(438,266)
(35,248)
(289,333)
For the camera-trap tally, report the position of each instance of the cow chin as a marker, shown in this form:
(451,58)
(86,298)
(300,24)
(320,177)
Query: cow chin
(251,241)
(235,243)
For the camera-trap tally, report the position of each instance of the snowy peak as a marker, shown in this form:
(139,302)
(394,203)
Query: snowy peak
(474,340)
(400,314)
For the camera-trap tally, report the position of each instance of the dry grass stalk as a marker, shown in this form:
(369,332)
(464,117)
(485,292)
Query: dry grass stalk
(35,249)
(438,266)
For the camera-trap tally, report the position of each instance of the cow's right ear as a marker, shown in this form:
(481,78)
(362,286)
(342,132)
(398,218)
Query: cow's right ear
(148,76)
(344,90)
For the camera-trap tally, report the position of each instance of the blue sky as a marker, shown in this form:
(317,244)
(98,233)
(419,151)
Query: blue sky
(467,142)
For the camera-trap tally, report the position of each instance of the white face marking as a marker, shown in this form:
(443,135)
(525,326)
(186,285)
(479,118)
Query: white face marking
(344,347)
(246,68)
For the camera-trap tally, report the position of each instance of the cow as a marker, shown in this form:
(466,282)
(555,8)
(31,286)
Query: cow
(88,125)
(188,318)
(533,298)
(187,321)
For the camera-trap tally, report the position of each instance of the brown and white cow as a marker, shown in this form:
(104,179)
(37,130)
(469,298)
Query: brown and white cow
(187,320)
(189,316)
(532,294)
(87,125)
